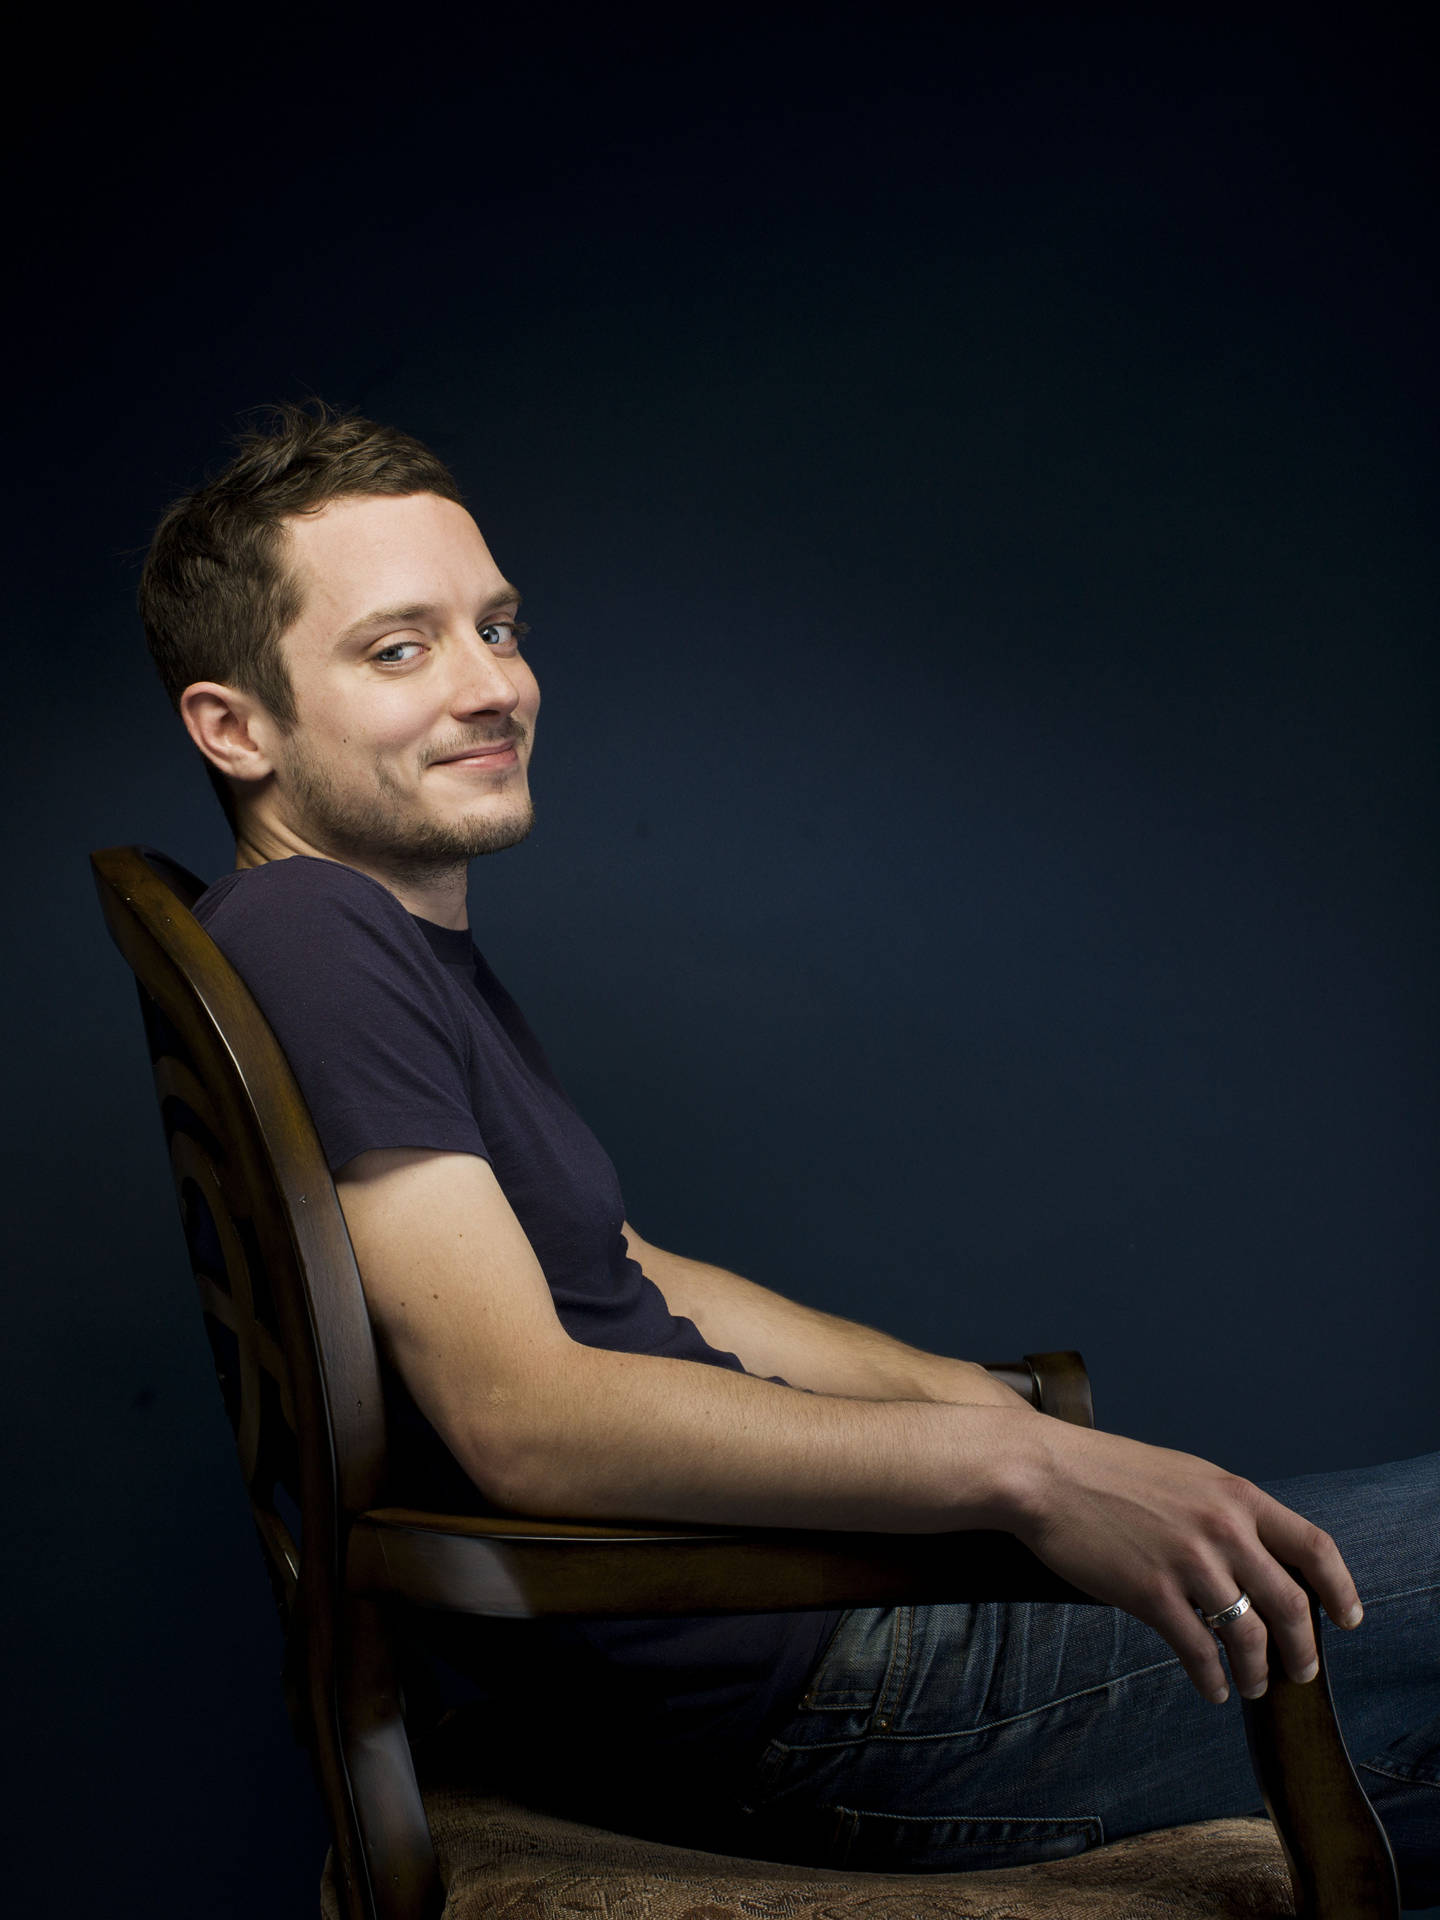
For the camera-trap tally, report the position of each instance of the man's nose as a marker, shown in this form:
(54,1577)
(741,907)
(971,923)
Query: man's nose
(481,683)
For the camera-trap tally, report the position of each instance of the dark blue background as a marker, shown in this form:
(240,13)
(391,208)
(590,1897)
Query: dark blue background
(974,485)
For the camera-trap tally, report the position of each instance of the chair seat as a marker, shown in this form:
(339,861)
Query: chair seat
(500,1858)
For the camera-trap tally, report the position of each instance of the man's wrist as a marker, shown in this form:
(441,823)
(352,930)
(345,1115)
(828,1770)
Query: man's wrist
(1032,1471)
(986,1468)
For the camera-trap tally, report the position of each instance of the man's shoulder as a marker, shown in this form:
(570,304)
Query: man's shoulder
(374,1029)
(301,884)
(304,905)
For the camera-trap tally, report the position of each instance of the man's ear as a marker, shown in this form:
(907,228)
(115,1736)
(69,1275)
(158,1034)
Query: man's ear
(232,729)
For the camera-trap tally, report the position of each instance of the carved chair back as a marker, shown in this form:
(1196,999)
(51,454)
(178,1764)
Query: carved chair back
(273,1267)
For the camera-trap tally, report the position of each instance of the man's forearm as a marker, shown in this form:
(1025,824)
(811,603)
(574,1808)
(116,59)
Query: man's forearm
(599,1434)
(774,1336)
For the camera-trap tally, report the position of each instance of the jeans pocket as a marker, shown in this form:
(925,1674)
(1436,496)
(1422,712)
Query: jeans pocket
(953,1843)
(860,1656)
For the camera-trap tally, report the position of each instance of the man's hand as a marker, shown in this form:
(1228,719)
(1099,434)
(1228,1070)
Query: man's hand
(1161,1533)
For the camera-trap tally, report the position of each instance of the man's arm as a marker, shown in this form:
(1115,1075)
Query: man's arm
(772,1335)
(547,1426)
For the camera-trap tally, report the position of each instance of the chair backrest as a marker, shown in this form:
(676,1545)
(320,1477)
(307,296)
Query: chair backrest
(278,1284)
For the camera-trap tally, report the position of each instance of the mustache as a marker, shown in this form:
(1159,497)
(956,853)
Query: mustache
(510,732)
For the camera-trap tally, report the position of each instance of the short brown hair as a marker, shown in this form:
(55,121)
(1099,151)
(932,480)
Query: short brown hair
(215,595)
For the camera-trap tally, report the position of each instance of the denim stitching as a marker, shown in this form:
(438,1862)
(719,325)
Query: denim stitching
(898,1668)
(1406,1779)
(1405,1593)
(832,1699)
(986,1726)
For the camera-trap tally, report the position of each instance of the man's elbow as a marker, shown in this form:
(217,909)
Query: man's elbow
(522,1448)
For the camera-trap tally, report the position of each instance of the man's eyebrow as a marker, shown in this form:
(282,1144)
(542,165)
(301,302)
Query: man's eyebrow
(383,617)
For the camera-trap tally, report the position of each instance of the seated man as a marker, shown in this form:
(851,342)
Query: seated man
(347,656)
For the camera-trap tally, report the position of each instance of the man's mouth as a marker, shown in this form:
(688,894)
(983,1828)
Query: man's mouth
(484,753)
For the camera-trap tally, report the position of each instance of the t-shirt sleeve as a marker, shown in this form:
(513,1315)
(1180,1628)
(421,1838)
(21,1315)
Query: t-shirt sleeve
(358,1003)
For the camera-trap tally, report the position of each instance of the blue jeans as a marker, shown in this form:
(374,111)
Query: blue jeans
(952,1737)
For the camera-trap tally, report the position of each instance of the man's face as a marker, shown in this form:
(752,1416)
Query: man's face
(415,711)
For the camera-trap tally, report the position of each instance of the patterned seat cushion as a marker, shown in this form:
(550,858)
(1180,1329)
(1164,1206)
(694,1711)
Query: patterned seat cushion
(498,1858)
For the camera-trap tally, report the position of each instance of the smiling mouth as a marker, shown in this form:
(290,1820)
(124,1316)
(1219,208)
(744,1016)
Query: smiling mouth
(485,754)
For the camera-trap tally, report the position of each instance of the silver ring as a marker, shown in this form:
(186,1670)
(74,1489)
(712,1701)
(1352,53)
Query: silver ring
(1227,1615)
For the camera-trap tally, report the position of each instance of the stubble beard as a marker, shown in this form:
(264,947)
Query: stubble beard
(381,828)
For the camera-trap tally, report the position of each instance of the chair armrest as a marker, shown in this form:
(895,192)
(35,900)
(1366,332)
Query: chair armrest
(1056,1383)
(1062,1387)
(531,1569)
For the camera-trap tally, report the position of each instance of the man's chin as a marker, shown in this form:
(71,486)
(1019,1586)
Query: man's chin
(494,836)
(407,840)
(477,834)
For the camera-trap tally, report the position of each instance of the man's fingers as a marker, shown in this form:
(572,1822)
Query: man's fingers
(1286,1610)
(1276,1629)
(1297,1542)
(1196,1649)
(1246,1642)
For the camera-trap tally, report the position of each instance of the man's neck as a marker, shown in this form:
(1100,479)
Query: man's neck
(437,894)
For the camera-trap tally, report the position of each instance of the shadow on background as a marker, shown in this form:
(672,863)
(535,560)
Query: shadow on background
(970,485)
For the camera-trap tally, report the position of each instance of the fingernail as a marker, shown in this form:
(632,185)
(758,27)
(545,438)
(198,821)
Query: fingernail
(1254,1693)
(1354,1616)
(1220,1696)
(1308,1673)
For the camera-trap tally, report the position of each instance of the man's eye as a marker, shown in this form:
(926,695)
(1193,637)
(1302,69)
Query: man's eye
(504,633)
(395,647)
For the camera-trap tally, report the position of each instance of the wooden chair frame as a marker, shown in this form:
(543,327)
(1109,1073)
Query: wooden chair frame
(297,1364)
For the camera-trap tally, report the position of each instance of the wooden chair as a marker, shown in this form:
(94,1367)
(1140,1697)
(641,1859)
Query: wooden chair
(298,1369)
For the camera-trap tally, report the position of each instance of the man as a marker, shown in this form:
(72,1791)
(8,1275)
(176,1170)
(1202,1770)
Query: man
(347,656)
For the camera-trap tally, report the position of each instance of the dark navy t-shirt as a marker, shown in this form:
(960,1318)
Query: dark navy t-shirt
(399,1035)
